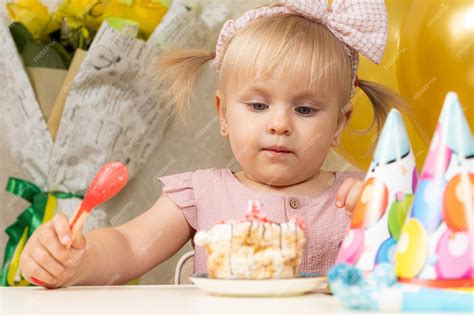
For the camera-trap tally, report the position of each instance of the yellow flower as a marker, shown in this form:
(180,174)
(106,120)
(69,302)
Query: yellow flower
(83,15)
(34,16)
(147,13)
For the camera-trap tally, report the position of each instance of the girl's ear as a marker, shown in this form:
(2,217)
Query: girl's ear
(221,110)
(342,120)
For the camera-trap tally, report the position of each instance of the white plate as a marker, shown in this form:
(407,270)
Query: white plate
(269,287)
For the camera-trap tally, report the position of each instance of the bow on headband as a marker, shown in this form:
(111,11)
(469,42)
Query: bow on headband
(361,25)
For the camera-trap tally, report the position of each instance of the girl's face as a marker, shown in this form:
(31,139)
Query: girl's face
(280,132)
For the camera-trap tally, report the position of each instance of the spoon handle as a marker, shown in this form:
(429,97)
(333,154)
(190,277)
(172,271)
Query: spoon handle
(77,221)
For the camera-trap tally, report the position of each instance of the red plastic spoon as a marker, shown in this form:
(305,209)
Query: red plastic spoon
(110,179)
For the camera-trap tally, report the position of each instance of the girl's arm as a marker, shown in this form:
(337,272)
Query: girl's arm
(120,254)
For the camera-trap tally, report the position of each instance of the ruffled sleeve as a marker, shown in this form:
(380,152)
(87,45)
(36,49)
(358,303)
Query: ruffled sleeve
(179,188)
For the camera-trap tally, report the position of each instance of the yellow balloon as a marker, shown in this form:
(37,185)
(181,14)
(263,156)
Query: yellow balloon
(357,146)
(438,40)
(412,249)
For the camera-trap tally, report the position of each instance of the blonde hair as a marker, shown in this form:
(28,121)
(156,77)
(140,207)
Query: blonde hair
(283,46)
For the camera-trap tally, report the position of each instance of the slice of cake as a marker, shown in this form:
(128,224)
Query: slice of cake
(253,248)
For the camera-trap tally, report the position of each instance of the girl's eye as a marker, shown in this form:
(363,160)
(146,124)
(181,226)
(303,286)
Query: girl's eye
(305,110)
(258,106)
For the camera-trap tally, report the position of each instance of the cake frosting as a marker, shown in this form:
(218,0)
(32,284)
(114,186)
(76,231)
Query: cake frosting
(253,248)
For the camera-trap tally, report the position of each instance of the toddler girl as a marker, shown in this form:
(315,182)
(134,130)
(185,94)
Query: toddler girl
(286,75)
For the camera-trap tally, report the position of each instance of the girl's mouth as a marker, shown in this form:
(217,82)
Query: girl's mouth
(277,151)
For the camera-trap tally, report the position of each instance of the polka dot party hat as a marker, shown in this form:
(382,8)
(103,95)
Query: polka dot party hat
(436,244)
(384,201)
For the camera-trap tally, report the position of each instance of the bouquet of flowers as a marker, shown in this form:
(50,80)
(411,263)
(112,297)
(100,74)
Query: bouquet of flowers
(89,58)
(74,25)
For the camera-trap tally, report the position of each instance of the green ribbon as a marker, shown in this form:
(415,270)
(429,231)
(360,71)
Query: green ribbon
(30,218)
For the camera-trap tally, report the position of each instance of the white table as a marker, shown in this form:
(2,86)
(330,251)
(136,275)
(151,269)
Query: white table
(159,299)
(133,300)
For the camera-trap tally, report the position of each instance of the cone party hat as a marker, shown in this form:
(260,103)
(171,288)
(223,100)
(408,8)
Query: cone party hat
(384,201)
(436,243)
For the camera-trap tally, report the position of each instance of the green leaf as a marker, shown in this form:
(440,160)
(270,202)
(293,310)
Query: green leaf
(20,35)
(42,55)
(66,57)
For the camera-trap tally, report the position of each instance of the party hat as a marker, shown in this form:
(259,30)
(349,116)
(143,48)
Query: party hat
(436,242)
(384,201)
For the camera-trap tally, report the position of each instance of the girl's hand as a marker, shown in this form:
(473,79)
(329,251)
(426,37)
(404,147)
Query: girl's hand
(47,260)
(348,194)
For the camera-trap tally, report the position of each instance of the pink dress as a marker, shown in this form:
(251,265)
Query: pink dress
(211,195)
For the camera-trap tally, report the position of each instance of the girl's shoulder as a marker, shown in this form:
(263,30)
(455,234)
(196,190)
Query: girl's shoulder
(342,175)
(196,183)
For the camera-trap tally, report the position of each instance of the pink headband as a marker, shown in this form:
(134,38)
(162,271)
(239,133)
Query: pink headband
(361,25)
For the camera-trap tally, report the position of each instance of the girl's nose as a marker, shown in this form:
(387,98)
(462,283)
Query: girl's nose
(280,124)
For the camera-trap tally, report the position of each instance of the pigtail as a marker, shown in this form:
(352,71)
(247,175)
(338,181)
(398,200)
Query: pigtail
(176,74)
(383,100)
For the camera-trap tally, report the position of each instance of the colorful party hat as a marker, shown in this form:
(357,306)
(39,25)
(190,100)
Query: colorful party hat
(384,201)
(436,242)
